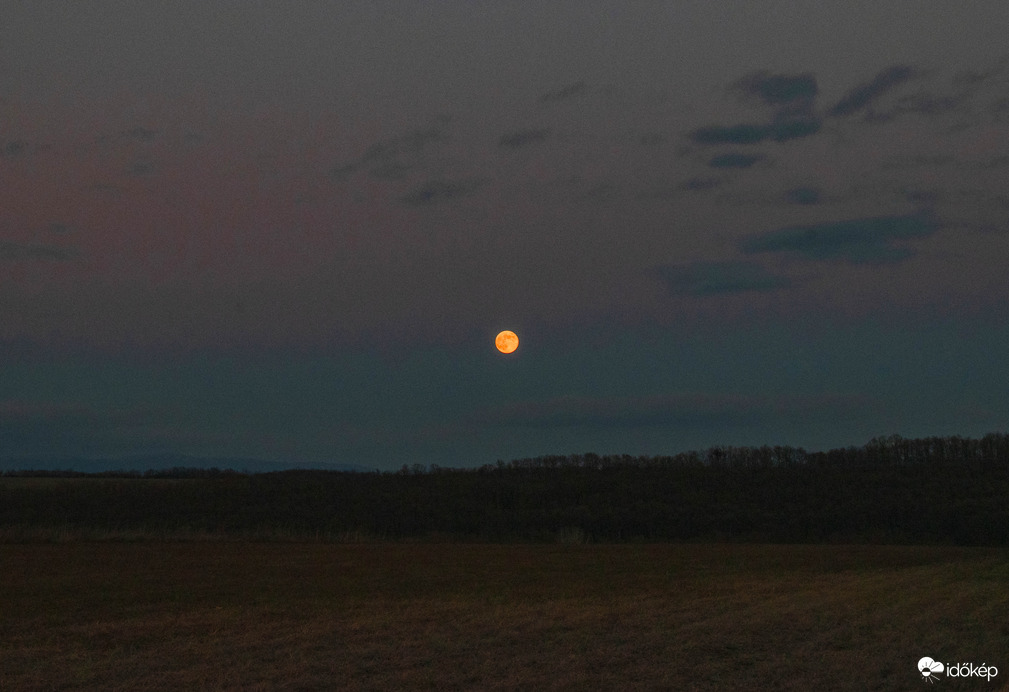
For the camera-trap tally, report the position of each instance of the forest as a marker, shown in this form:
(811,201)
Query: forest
(936,490)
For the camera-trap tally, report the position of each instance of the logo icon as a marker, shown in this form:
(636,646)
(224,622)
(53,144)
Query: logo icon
(929,669)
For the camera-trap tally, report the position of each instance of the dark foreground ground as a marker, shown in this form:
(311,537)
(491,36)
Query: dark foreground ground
(228,615)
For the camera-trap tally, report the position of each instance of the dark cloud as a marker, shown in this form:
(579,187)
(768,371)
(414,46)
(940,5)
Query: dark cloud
(16,251)
(391,158)
(576,89)
(865,94)
(970,78)
(858,241)
(735,134)
(781,130)
(435,191)
(929,104)
(699,184)
(700,279)
(651,138)
(13,148)
(790,128)
(514,140)
(776,90)
(923,103)
(791,98)
(802,195)
(735,160)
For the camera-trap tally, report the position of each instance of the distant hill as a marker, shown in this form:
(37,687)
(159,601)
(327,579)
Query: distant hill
(162,462)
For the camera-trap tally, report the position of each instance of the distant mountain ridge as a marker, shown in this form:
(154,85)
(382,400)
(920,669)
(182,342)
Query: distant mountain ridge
(162,462)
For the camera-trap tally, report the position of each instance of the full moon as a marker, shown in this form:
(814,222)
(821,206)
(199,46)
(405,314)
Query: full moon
(506,341)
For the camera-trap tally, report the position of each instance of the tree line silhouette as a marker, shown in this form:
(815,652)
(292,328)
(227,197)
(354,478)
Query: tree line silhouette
(946,490)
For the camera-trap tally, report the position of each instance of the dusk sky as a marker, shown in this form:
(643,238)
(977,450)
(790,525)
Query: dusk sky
(291,230)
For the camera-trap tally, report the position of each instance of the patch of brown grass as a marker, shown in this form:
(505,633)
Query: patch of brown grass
(288,616)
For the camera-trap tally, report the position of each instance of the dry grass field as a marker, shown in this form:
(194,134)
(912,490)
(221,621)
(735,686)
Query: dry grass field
(229,615)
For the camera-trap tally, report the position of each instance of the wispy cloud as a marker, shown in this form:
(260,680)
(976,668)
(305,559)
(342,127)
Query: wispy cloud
(733,134)
(691,185)
(857,241)
(571,90)
(803,195)
(786,129)
(921,161)
(435,191)
(866,94)
(16,251)
(699,184)
(777,90)
(999,161)
(965,207)
(972,78)
(14,148)
(139,134)
(781,131)
(521,138)
(735,160)
(791,98)
(391,158)
(926,103)
(700,279)
(142,133)
(142,166)
(1000,109)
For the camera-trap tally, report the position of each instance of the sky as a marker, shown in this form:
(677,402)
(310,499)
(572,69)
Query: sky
(291,230)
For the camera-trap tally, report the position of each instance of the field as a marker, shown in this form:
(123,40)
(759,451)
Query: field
(441,616)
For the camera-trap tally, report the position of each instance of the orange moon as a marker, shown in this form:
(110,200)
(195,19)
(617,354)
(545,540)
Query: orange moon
(506,341)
